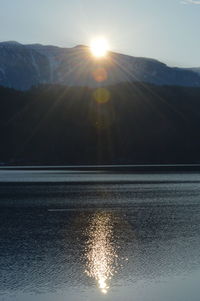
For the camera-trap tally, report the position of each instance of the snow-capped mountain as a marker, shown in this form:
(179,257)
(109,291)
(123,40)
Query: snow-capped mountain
(24,66)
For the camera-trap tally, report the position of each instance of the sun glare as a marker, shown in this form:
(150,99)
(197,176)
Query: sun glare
(99,47)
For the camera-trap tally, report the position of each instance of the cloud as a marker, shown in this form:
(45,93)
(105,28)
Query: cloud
(197,2)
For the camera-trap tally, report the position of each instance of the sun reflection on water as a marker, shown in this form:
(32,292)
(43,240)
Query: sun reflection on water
(101,252)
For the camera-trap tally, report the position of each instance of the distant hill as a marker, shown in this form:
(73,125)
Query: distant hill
(24,66)
(135,123)
(196,70)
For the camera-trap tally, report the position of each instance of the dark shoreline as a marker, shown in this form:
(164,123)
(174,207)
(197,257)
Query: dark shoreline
(111,168)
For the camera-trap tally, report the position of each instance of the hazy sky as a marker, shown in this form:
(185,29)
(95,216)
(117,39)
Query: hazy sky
(167,30)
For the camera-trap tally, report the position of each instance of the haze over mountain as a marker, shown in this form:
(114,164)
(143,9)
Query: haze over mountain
(24,66)
(197,70)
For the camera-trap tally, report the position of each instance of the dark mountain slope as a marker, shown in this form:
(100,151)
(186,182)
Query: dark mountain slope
(139,123)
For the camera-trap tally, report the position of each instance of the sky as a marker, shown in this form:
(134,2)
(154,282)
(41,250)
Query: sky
(167,30)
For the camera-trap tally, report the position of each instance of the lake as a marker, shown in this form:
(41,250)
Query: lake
(99,235)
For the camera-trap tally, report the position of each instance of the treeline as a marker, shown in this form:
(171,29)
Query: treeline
(123,124)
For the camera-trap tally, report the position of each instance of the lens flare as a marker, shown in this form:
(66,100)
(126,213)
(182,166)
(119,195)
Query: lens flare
(100,75)
(101,95)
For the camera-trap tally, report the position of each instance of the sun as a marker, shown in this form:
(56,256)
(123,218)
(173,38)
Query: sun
(99,47)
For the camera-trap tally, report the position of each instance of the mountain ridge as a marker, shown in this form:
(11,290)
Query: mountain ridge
(25,65)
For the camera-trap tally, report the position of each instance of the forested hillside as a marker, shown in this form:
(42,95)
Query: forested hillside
(125,123)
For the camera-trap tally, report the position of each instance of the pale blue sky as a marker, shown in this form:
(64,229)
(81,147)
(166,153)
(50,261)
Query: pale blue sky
(167,30)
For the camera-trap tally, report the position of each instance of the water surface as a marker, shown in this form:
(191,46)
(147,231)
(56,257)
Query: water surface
(99,236)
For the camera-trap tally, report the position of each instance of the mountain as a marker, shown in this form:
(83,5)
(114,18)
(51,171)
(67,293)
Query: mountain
(140,123)
(24,66)
(196,70)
